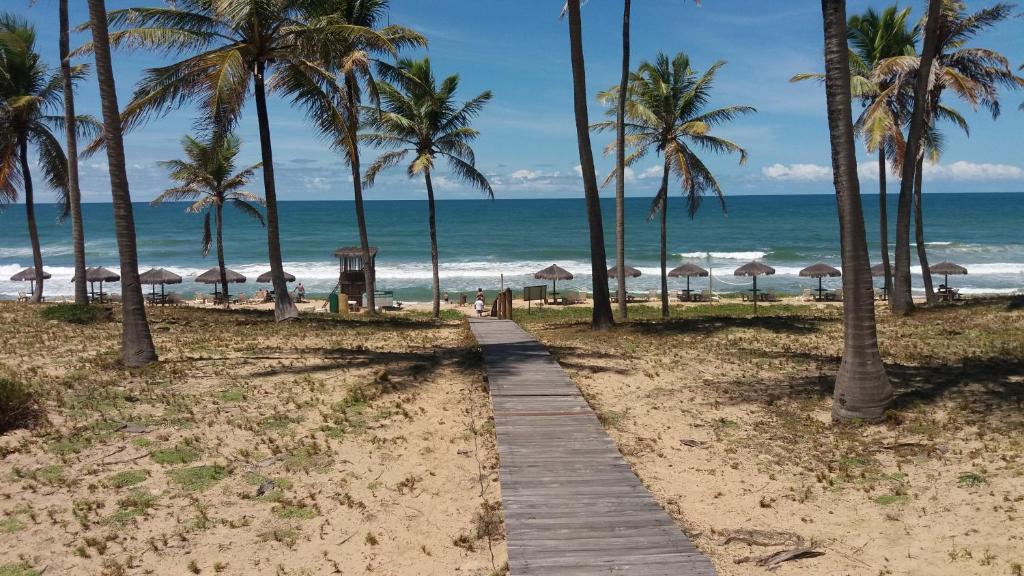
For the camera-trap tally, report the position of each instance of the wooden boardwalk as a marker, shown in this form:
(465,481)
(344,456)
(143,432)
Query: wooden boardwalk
(573,506)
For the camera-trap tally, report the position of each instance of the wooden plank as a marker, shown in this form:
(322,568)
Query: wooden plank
(573,506)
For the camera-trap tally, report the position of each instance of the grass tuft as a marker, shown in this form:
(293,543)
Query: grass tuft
(73,313)
(198,478)
(18,406)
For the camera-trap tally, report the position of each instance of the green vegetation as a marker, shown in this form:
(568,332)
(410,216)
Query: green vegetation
(135,503)
(17,569)
(18,405)
(294,512)
(127,478)
(183,453)
(73,313)
(198,478)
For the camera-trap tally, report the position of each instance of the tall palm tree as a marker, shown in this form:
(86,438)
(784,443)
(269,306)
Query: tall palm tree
(74,192)
(208,180)
(666,110)
(420,119)
(620,166)
(873,38)
(602,314)
(30,94)
(351,57)
(235,47)
(863,390)
(136,341)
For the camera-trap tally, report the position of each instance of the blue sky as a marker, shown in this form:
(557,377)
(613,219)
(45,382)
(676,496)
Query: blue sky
(519,50)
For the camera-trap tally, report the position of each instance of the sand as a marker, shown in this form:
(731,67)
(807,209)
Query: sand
(313,447)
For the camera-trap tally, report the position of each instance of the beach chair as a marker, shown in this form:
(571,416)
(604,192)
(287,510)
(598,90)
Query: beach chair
(22,297)
(770,296)
(807,295)
(838,295)
(174,299)
(652,295)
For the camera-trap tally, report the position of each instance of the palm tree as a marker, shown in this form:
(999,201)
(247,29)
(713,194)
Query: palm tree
(666,110)
(874,38)
(74,193)
(236,46)
(420,118)
(136,341)
(208,180)
(29,95)
(602,314)
(862,388)
(351,56)
(620,166)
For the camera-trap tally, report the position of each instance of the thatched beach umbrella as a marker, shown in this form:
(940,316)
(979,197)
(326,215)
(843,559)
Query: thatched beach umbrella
(160,276)
(687,270)
(819,271)
(212,276)
(267,277)
(553,273)
(947,268)
(29,275)
(753,270)
(98,274)
(630,272)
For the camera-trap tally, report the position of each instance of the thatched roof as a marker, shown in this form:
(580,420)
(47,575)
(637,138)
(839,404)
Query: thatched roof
(878,270)
(350,251)
(267,277)
(155,276)
(754,269)
(99,274)
(947,268)
(820,270)
(28,275)
(553,272)
(687,270)
(629,271)
(212,276)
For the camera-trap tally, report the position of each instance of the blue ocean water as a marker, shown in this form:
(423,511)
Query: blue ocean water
(481,240)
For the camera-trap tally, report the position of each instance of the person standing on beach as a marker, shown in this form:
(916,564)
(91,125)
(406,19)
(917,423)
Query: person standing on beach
(480,294)
(300,290)
(479,305)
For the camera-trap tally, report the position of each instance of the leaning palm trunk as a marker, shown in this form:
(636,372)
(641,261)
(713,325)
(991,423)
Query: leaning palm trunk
(30,217)
(602,316)
(663,194)
(136,342)
(219,214)
(435,282)
(284,308)
(620,165)
(74,193)
(901,301)
(357,193)
(922,253)
(862,387)
(883,220)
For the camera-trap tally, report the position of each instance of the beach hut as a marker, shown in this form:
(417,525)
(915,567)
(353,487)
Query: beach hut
(947,268)
(212,276)
(753,270)
(819,271)
(160,276)
(553,273)
(29,275)
(101,275)
(689,270)
(351,270)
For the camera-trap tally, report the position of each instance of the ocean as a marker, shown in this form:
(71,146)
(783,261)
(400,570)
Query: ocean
(483,242)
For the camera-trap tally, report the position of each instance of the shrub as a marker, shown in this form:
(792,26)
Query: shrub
(18,405)
(74,313)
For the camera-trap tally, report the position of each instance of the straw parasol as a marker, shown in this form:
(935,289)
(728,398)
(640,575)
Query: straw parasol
(687,270)
(98,274)
(160,276)
(819,271)
(212,276)
(553,273)
(753,270)
(947,268)
(630,272)
(268,277)
(29,275)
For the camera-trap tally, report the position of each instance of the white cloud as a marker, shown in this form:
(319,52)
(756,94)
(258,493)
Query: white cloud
(797,172)
(651,172)
(963,170)
(578,169)
(525,174)
(630,175)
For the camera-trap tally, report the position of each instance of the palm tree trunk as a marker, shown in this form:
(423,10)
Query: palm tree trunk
(883,220)
(30,217)
(74,192)
(663,193)
(862,387)
(901,300)
(218,214)
(922,253)
(284,308)
(435,283)
(620,165)
(136,341)
(357,191)
(602,316)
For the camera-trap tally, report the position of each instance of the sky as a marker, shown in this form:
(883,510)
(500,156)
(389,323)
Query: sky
(527,145)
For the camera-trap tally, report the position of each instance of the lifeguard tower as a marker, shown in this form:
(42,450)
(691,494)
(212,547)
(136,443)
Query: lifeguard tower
(351,275)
